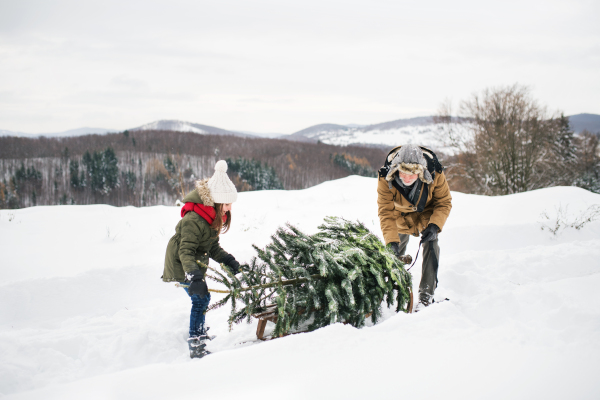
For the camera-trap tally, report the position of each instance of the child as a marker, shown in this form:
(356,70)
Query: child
(206,213)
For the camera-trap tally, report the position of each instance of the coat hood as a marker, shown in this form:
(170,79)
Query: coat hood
(200,194)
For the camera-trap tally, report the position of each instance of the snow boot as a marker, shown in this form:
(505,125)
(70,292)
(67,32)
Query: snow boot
(197,347)
(422,304)
(197,344)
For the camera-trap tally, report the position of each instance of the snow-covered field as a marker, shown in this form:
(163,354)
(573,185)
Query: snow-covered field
(424,134)
(84,314)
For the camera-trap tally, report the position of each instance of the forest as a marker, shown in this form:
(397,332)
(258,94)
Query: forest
(144,168)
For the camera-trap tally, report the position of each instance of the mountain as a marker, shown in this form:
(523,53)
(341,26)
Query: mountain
(4,132)
(162,125)
(70,132)
(316,132)
(590,122)
(420,130)
(183,126)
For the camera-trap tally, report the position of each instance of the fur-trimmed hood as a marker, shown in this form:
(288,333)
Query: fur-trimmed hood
(200,194)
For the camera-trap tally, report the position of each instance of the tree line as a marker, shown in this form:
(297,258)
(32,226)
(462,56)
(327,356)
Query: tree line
(505,142)
(157,167)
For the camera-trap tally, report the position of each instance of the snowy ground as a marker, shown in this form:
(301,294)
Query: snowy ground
(83,313)
(429,135)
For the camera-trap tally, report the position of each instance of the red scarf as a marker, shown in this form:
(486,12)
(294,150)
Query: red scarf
(206,212)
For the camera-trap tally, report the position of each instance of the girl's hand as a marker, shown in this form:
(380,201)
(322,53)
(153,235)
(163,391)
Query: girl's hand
(198,284)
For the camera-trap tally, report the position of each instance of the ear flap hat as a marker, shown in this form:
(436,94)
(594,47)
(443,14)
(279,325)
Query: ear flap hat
(409,159)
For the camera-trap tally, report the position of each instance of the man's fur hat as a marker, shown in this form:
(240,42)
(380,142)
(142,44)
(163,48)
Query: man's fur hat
(409,159)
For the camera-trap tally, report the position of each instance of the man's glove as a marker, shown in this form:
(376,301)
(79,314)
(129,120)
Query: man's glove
(232,264)
(395,246)
(430,233)
(198,284)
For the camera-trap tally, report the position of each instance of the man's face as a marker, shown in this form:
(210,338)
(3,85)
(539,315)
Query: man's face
(408,179)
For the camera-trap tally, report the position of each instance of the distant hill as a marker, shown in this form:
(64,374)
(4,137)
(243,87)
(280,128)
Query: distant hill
(4,132)
(183,126)
(162,125)
(590,122)
(419,130)
(314,133)
(70,132)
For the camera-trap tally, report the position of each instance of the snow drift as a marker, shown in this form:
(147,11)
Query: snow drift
(83,312)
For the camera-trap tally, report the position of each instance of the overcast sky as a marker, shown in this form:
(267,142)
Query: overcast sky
(281,66)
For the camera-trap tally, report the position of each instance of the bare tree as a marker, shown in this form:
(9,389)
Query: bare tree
(509,143)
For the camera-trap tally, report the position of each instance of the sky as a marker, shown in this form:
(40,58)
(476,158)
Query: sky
(270,66)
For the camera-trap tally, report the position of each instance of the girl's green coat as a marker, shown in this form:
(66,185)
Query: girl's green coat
(194,239)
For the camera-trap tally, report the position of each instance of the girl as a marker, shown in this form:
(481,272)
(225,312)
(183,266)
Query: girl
(206,213)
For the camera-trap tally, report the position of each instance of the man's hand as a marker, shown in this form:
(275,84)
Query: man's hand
(430,233)
(198,284)
(395,246)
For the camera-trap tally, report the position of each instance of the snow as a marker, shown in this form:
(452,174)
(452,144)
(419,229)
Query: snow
(170,125)
(83,313)
(422,134)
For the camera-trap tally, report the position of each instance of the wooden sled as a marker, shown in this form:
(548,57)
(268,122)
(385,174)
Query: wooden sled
(271,315)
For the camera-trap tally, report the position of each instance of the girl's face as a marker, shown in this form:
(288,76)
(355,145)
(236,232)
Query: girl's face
(408,179)
(225,208)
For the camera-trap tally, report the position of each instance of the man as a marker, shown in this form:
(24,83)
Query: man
(414,198)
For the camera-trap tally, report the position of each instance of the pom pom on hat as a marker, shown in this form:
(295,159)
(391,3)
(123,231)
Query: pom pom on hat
(221,166)
(221,188)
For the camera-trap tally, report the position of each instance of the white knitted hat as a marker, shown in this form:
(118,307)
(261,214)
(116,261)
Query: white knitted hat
(221,188)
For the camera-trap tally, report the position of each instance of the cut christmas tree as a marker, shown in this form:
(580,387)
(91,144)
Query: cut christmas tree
(343,273)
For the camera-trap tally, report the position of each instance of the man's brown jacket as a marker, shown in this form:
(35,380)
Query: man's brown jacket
(398,215)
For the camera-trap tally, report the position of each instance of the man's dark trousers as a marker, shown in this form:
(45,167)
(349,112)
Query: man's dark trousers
(431,257)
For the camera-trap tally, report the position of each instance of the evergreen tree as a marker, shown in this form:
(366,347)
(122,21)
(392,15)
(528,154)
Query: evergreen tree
(354,165)
(258,176)
(74,173)
(343,273)
(130,179)
(562,157)
(27,174)
(564,145)
(110,169)
(588,159)
(170,165)
(102,170)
